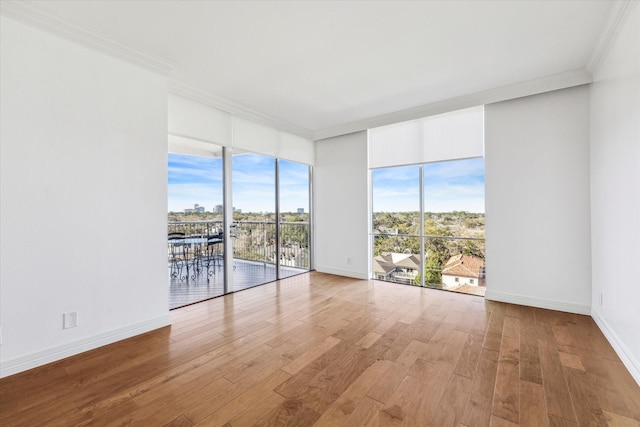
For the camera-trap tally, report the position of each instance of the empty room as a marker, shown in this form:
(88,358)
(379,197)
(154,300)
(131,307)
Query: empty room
(329,213)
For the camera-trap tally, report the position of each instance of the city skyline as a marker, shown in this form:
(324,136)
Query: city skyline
(195,179)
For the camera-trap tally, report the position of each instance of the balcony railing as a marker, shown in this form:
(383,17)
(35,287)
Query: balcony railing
(256,240)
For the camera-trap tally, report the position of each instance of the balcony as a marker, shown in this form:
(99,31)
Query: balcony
(195,257)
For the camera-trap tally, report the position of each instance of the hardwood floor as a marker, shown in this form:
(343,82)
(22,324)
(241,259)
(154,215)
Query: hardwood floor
(324,350)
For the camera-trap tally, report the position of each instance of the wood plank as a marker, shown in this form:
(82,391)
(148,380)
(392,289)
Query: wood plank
(181,421)
(618,420)
(533,409)
(308,357)
(530,369)
(451,407)
(251,414)
(234,407)
(556,421)
(404,404)
(571,361)
(366,414)
(338,412)
(368,340)
(386,385)
(556,391)
(478,409)
(469,356)
(501,422)
(326,387)
(506,399)
(587,407)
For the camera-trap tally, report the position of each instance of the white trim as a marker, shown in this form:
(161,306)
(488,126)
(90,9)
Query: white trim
(345,273)
(40,358)
(211,100)
(620,10)
(517,90)
(568,307)
(33,16)
(628,359)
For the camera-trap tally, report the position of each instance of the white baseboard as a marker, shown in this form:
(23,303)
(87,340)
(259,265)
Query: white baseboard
(346,273)
(628,359)
(23,363)
(538,302)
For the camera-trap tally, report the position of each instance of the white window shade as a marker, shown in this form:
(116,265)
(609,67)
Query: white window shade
(193,121)
(395,145)
(181,145)
(455,135)
(450,136)
(254,137)
(296,149)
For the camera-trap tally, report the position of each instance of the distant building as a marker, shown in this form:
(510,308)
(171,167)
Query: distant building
(218,209)
(196,208)
(463,270)
(300,210)
(395,267)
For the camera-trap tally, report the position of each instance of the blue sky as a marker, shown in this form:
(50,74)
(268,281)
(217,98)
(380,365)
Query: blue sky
(453,185)
(198,180)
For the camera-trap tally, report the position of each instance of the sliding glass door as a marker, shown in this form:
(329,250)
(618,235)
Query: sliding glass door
(254,227)
(293,221)
(195,226)
(263,228)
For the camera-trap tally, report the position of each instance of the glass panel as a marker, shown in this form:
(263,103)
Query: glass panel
(253,231)
(194,247)
(454,225)
(294,218)
(396,224)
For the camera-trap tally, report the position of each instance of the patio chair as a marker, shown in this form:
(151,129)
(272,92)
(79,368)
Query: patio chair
(177,255)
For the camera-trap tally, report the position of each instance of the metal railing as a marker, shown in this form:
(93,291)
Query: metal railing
(256,240)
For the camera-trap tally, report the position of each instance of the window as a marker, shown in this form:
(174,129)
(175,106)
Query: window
(427,199)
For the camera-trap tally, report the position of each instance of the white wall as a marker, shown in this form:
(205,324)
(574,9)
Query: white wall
(341,206)
(615,194)
(537,200)
(83,198)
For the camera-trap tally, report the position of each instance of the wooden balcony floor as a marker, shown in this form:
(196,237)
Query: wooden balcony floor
(246,274)
(323,350)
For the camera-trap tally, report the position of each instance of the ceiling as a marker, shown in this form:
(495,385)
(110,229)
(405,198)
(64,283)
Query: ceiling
(314,66)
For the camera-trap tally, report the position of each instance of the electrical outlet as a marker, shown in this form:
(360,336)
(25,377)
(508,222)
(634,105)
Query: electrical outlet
(348,261)
(70,320)
(601,299)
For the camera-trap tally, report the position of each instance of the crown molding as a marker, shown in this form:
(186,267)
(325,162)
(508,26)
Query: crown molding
(211,100)
(37,18)
(620,10)
(517,90)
